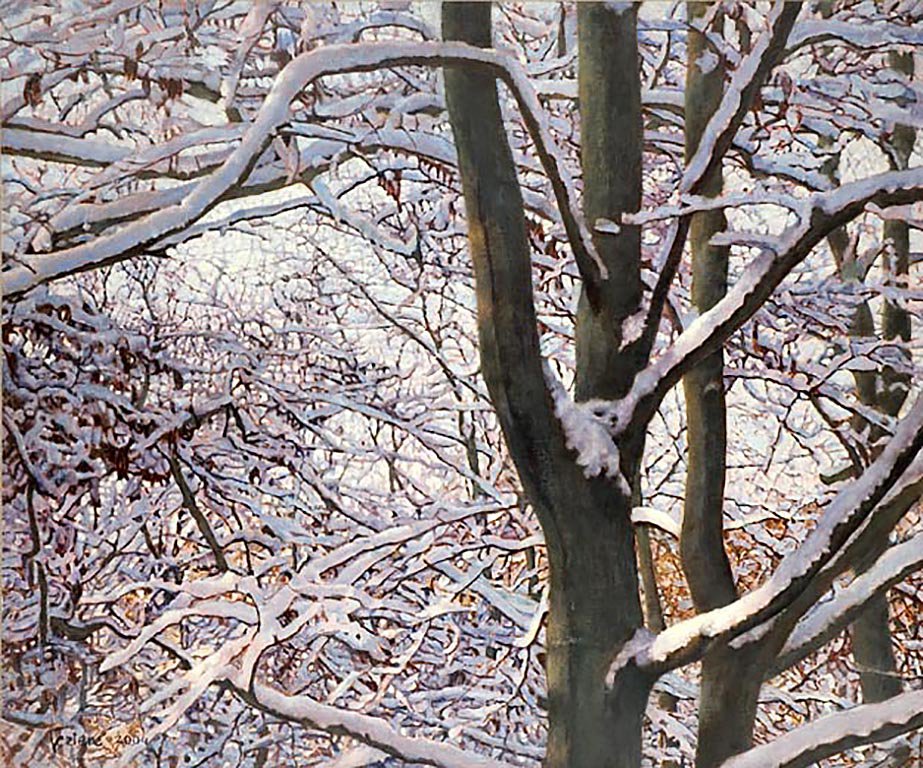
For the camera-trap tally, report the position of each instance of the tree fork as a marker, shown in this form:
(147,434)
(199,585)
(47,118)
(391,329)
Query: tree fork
(594,605)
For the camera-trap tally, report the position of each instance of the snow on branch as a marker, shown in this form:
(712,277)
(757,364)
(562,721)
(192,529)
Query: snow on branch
(61,148)
(367,729)
(716,140)
(833,734)
(248,34)
(868,35)
(685,641)
(747,79)
(823,213)
(135,237)
(829,618)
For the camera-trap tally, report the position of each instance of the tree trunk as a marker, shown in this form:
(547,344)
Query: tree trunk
(730,681)
(871,636)
(594,605)
(609,83)
(728,696)
(590,727)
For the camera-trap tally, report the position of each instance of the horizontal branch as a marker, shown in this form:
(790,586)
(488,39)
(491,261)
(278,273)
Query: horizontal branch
(865,36)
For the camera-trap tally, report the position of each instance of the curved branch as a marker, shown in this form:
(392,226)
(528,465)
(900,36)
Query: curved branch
(302,71)
(830,618)
(824,213)
(364,728)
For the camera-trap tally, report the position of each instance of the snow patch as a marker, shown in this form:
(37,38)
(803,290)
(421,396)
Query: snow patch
(587,432)
(607,227)
(706,62)
(618,8)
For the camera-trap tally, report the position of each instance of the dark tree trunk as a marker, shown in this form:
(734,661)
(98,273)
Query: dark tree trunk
(610,155)
(730,687)
(730,681)
(593,594)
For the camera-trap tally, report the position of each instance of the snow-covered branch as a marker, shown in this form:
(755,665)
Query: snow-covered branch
(135,237)
(716,140)
(829,618)
(823,213)
(686,641)
(833,734)
(748,78)
(364,728)
(870,35)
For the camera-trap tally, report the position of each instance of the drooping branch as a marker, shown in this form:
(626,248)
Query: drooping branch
(139,235)
(357,725)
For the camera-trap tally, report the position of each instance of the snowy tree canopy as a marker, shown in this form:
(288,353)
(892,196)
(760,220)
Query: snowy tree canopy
(332,375)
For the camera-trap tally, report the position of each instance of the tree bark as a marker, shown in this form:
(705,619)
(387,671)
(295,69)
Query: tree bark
(729,684)
(609,83)
(594,605)
(871,635)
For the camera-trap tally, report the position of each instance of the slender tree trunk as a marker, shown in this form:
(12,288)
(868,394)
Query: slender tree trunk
(594,605)
(731,679)
(871,635)
(704,558)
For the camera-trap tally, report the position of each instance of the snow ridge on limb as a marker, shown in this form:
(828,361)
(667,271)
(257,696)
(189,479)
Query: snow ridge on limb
(716,140)
(866,36)
(275,112)
(824,212)
(367,729)
(747,78)
(828,618)
(830,735)
(686,641)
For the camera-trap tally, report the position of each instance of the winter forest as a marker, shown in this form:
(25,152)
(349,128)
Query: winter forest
(494,385)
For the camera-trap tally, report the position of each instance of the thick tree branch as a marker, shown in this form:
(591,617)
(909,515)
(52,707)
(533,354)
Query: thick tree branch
(686,641)
(823,213)
(135,237)
(828,619)
(833,734)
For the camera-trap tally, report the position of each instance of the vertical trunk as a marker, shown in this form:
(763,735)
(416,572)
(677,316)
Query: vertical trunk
(610,155)
(728,696)
(871,644)
(589,726)
(731,680)
(593,597)
(871,635)
(705,561)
